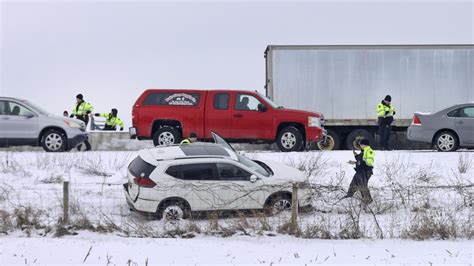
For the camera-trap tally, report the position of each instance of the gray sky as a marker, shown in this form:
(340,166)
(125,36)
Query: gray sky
(112,51)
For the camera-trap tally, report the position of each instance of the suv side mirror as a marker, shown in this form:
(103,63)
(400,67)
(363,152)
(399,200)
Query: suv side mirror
(261,107)
(29,115)
(253,178)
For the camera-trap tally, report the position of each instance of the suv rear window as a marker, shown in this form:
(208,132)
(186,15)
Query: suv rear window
(138,167)
(172,98)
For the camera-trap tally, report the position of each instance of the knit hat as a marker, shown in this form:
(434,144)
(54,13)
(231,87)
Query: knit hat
(114,111)
(364,142)
(79,96)
(388,98)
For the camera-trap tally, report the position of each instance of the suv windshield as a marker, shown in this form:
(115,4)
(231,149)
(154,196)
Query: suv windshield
(36,107)
(272,104)
(253,165)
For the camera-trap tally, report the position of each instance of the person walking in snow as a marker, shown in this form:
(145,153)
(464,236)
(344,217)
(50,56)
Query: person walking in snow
(364,165)
(81,111)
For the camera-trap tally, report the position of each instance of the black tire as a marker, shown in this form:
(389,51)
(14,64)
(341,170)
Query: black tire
(85,146)
(355,135)
(173,210)
(278,204)
(54,141)
(290,139)
(446,141)
(166,136)
(332,143)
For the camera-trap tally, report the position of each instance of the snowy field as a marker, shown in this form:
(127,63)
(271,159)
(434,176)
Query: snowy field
(422,213)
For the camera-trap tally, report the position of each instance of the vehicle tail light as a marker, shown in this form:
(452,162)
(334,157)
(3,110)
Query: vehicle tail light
(144,182)
(416,120)
(134,118)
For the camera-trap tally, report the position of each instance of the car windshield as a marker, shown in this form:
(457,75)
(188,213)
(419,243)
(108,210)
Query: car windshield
(36,108)
(272,104)
(253,165)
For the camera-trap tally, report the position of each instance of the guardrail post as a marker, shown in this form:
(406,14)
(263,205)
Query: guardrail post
(66,202)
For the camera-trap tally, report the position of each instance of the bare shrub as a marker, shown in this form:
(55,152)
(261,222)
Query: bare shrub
(91,167)
(28,218)
(431,226)
(464,163)
(6,223)
(311,164)
(53,179)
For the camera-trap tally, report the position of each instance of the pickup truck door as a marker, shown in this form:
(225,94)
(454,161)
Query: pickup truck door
(248,122)
(218,114)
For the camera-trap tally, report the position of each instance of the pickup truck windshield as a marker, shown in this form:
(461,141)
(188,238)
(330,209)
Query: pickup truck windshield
(272,104)
(253,165)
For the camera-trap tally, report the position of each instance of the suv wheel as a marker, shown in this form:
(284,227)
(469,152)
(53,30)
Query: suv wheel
(290,139)
(446,141)
(279,204)
(54,141)
(166,136)
(173,210)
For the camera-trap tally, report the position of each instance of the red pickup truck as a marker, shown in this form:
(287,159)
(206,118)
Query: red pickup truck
(166,116)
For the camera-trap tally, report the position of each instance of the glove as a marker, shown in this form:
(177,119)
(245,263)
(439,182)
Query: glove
(96,114)
(121,129)
(351,162)
(394,112)
(88,112)
(71,116)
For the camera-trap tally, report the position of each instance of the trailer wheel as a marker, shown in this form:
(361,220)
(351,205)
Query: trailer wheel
(352,140)
(290,139)
(332,142)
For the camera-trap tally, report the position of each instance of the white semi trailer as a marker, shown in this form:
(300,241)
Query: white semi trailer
(346,82)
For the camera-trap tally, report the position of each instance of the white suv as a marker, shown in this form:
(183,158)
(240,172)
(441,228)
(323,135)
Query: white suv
(172,181)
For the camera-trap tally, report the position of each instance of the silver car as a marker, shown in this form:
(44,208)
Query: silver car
(447,129)
(23,123)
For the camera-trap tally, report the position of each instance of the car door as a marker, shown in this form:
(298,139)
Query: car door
(19,125)
(237,189)
(247,121)
(218,114)
(465,125)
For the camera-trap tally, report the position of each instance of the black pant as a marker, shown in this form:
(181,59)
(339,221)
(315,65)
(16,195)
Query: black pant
(85,119)
(360,183)
(384,132)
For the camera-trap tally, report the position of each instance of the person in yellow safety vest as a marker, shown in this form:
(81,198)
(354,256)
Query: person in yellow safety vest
(112,120)
(385,113)
(364,165)
(192,138)
(81,111)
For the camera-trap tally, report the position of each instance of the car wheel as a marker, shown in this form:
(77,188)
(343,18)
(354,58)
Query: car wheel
(331,142)
(173,210)
(279,204)
(446,141)
(352,140)
(290,139)
(54,141)
(166,136)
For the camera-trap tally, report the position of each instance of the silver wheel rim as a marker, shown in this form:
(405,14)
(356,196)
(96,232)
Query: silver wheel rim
(281,205)
(446,142)
(53,141)
(173,213)
(288,140)
(165,138)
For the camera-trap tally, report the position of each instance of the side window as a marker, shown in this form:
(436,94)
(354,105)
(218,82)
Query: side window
(454,113)
(172,98)
(221,101)
(17,109)
(468,112)
(199,171)
(4,108)
(232,172)
(246,102)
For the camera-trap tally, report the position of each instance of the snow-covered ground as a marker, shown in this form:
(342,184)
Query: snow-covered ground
(417,195)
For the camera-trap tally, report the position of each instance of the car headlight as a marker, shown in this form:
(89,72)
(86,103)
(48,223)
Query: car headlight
(314,121)
(72,124)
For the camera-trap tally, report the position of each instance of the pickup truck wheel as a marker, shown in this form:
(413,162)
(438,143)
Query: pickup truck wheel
(331,142)
(352,140)
(290,139)
(54,141)
(446,141)
(166,136)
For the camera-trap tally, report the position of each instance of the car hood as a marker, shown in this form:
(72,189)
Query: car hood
(299,112)
(284,172)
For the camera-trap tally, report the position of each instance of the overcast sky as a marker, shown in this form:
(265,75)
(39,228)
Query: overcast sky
(111,51)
